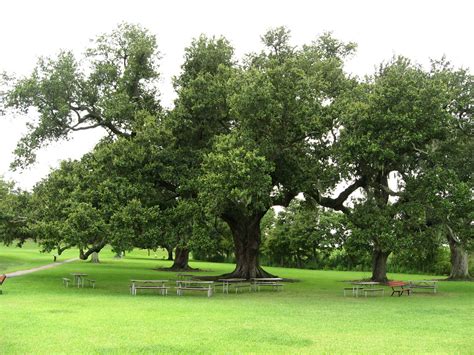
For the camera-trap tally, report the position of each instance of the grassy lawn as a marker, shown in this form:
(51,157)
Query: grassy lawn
(39,315)
(28,257)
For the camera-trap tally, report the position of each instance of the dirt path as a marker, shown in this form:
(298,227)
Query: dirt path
(39,268)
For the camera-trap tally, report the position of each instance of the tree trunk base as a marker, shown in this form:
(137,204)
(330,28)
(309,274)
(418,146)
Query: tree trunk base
(458,278)
(240,273)
(379,266)
(459,261)
(177,268)
(95,258)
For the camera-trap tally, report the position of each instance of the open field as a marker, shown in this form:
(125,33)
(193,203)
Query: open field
(28,257)
(39,315)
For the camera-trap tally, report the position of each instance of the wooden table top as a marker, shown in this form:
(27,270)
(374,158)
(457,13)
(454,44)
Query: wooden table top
(195,281)
(150,281)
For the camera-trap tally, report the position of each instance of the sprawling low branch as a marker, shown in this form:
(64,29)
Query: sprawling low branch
(284,199)
(338,202)
(94,249)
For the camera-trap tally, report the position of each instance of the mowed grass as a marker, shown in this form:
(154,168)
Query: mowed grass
(39,315)
(28,257)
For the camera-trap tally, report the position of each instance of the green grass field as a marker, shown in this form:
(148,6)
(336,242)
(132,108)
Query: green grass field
(40,315)
(28,257)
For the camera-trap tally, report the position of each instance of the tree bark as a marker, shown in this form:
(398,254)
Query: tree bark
(379,265)
(459,260)
(246,235)
(181,260)
(94,249)
(170,253)
(95,258)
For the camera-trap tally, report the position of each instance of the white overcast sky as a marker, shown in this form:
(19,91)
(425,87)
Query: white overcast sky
(417,29)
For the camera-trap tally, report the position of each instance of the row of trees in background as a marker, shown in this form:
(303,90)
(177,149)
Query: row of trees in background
(384,164)
(303,236)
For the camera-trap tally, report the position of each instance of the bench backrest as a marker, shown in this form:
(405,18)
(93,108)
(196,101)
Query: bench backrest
(396,283)
(2,278)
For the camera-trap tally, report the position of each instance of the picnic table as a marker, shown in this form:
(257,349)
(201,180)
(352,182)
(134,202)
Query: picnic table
(399,288)
(79,278)
(359,286)
(424,284)
(150,285)
(194,285)
(236,282)
(274,282)
(184,276)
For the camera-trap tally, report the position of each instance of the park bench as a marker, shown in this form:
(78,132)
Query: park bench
(373,291)
(66,281)
(2,280)
(398,287)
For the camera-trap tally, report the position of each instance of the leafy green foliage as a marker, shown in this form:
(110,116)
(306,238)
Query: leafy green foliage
(115,80)
(14,213)
(234,175)
(302,236)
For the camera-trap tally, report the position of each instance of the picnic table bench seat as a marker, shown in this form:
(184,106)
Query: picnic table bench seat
(2,280)
(241,286)
(91,283)
(373,291)
(399,287)
(427,285)
(354,290)
(275,285)
(180,289)
(66,281)
(163,289)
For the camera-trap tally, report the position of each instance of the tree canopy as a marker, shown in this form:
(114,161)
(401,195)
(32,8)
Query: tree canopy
(242,137)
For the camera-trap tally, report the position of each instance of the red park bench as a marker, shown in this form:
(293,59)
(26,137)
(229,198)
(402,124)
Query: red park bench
(2,280)
(399,287)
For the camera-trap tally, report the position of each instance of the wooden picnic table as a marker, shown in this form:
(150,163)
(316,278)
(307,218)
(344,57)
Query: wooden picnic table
(194,285)
(356,286)
(274,282)
(234,281)
(424,284)
(148,284)
(79,278)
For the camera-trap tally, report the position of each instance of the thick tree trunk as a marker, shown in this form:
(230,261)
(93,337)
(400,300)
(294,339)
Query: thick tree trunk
(379,265)
(95,258)
(246,235)
(170,253)
(459,260)
(181,260)
(94,249)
